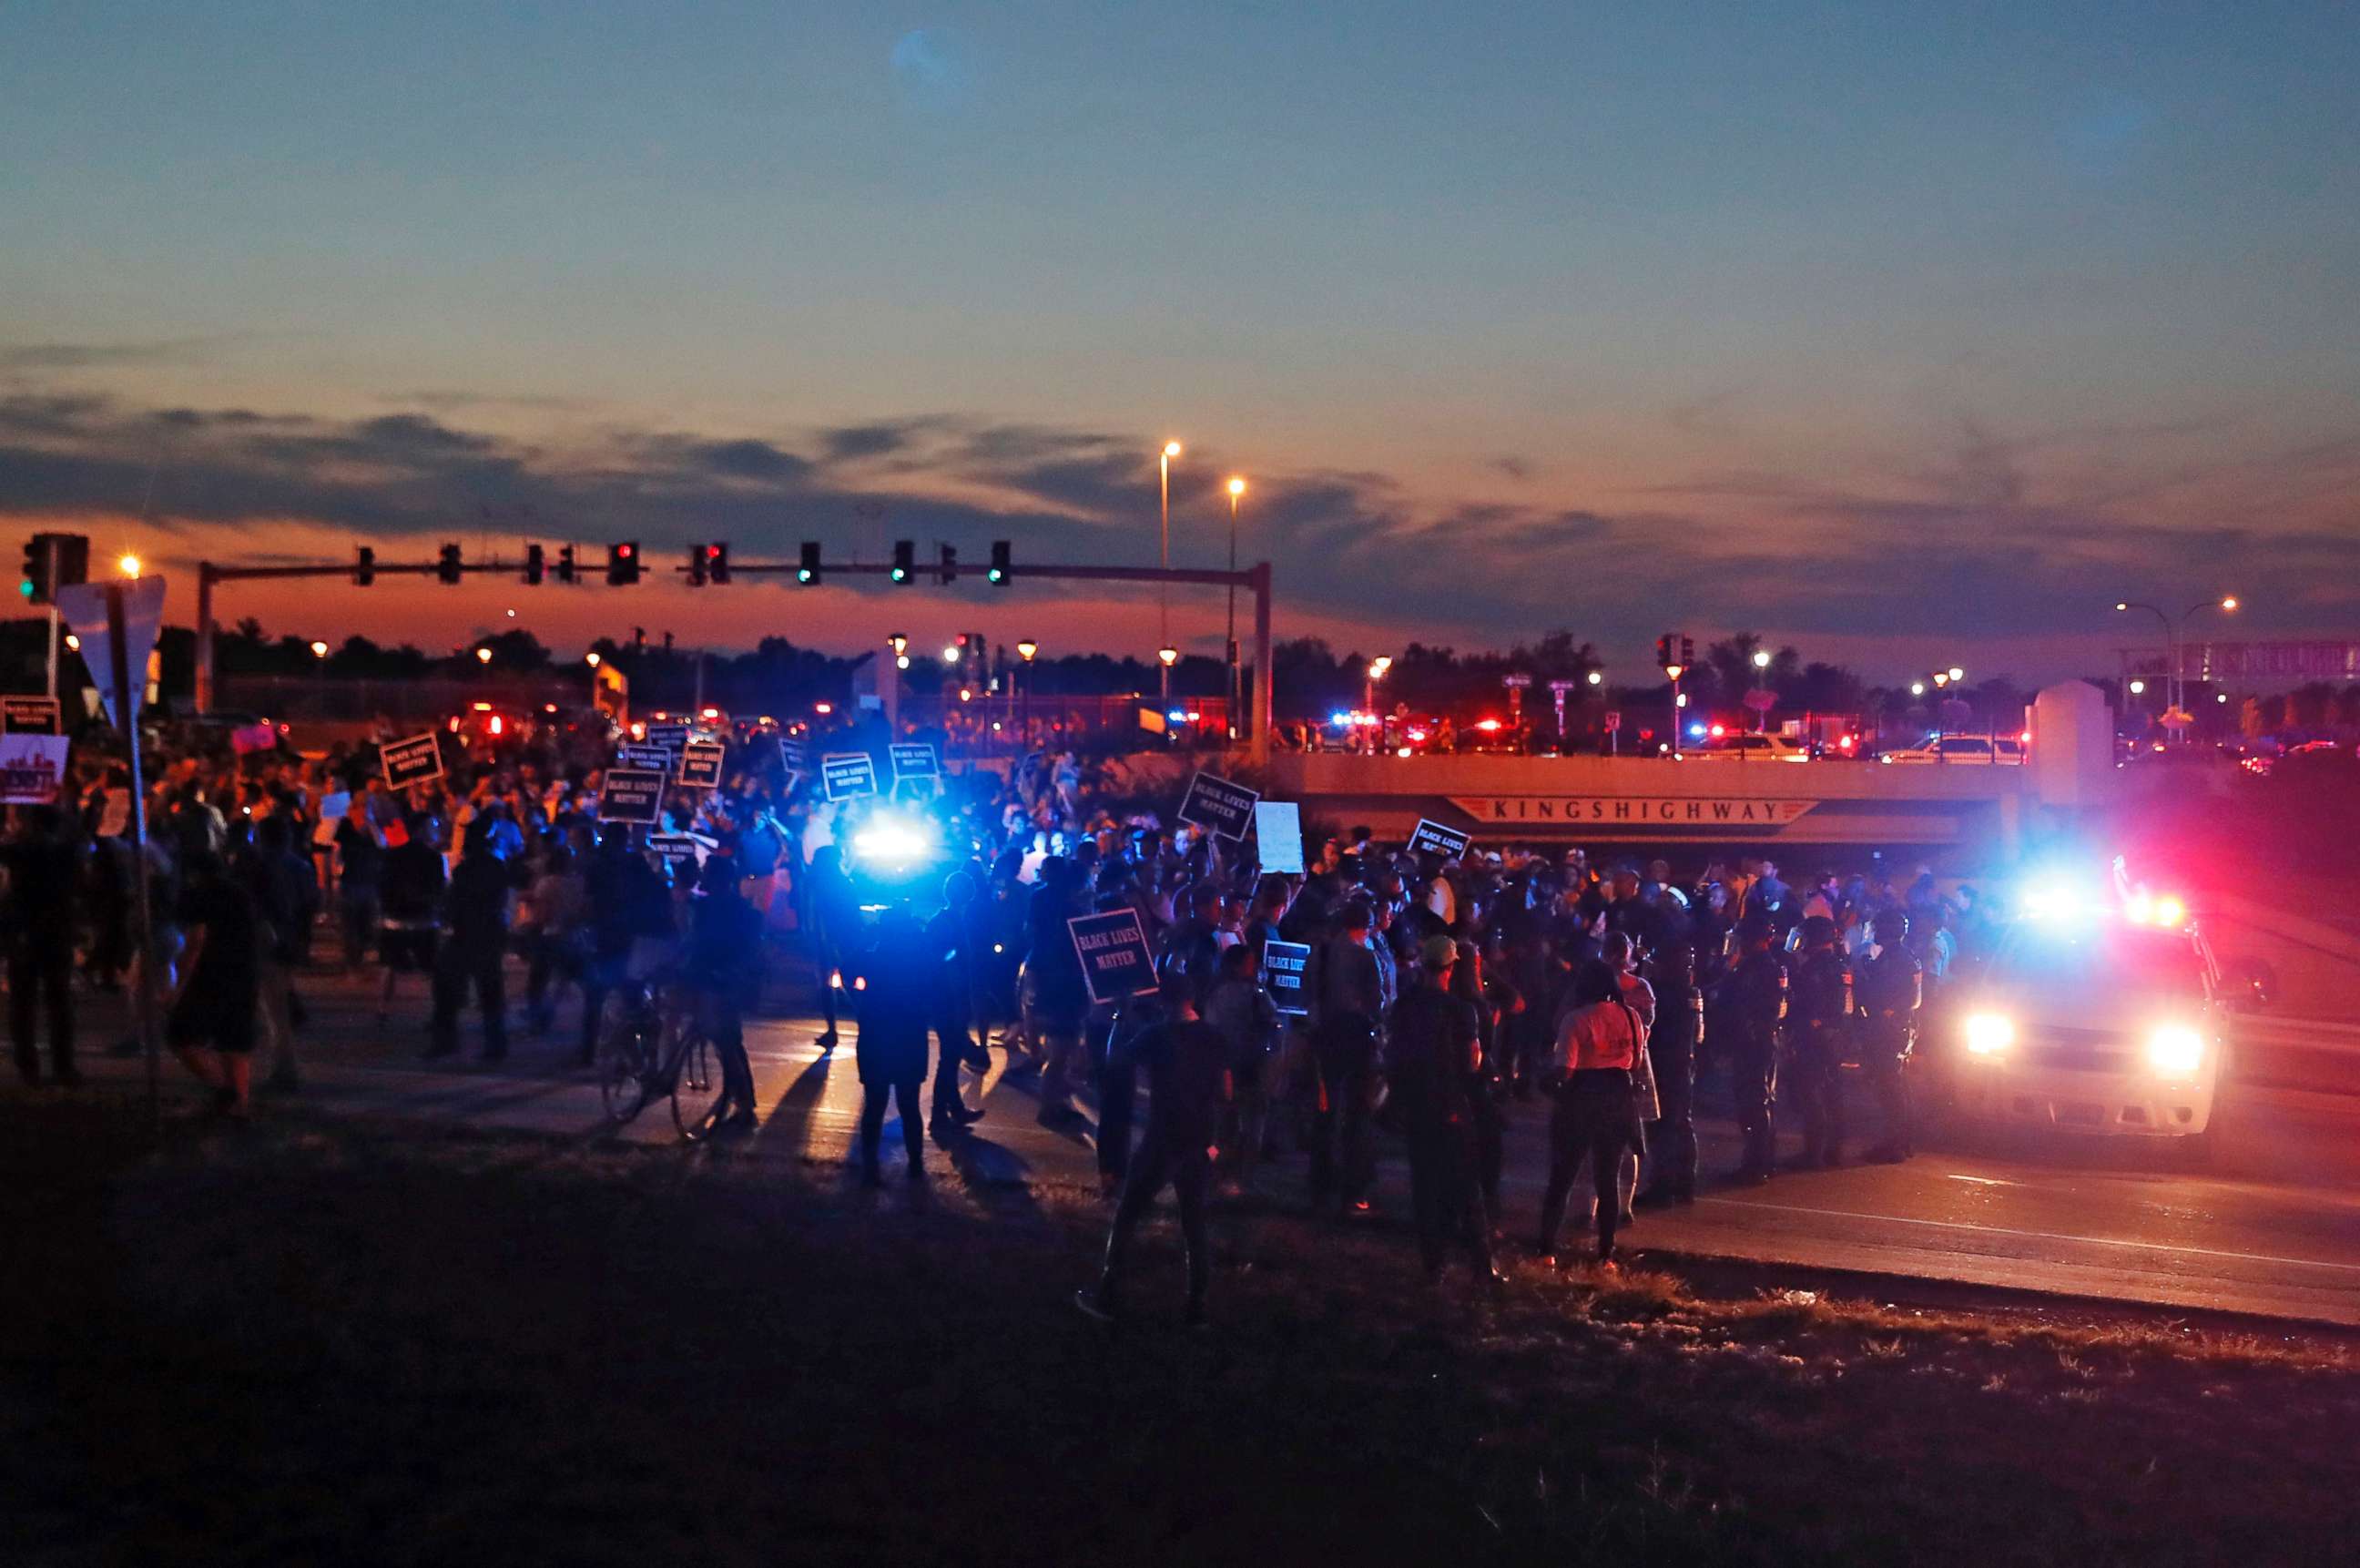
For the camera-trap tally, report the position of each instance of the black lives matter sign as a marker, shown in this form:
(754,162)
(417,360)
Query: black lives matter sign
(631,796)
(30,715)
(849,775)
(700,764)
(1284,966)
(1116,959)
(1447,842)
(1219,806)
(416,761)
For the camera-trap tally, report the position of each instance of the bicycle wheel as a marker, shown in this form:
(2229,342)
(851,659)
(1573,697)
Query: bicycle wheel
(625,1055)
(696,1087)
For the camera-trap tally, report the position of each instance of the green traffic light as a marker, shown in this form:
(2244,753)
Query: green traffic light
(25,587)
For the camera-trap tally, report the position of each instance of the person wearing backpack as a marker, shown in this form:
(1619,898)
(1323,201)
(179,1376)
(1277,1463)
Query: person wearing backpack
(1594,1117)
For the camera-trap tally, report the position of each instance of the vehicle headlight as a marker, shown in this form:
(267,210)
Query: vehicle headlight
(2174,1049)
(892,842)
(1989,1034)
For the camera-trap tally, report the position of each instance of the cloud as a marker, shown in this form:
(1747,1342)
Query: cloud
(56,356)
(1982,538)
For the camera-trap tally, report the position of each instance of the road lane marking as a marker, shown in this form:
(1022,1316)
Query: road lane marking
(1981,1181)
(2034,1235)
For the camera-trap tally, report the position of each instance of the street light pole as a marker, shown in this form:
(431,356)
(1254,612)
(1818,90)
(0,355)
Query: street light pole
(1237,488)
(1163,588)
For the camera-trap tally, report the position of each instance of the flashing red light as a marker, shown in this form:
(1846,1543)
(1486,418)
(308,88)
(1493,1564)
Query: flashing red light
(1718,731)
(2025,739)
(1488,726)
(1845,741)
(624,551)
(497,724)
(1419,735)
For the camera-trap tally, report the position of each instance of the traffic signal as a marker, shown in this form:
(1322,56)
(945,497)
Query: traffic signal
(536,565)
(905,561)
(565,564)
(696,566)
(447,568)
(364,566)
(1687,652)
(950,565)
(997,575)
(638,639)
(1665,654)
(53,561)
(622,564)
(716,561)
(808,573)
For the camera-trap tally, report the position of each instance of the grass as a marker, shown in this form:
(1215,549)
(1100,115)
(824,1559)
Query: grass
(335,1342)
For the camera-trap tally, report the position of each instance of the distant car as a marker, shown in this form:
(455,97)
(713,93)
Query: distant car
(1974,750)
(1751,749)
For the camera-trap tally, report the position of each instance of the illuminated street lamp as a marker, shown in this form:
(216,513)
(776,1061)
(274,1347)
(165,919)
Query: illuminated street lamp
(129,566)
(1597,677)
(1025,649)
(950,653)
(1955,674)
(2138,688)
(1761,658)
(1917,688)
(591,658)
(1168,655)
(1237,488)
(1377,668)
(483,655)
(73,644)
(2176,680)
(1163,587)
(319,650)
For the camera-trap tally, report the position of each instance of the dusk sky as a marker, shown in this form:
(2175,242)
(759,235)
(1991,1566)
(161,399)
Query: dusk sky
(1909,343)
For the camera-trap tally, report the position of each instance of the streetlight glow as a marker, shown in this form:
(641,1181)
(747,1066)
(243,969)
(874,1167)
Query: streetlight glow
(899,643)
(1761,658)
(1169,654)
(1172,449)
(1917,688)
(592,658)
(130,565)
(483,655)
(1598,677)
(1957,673)
(1237,486)
(950,653)
(1026,649)
(2229,602)
(2138,688)
(319,650)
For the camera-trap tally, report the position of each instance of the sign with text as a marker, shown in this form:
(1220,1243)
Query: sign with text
(30,715)
(849,775)
(915,759)
(1219,806)
(1278,829)
(631,796)
(700,764)
(1725,813)
(677,851)
(1116,959)
(793,755)
(1284,966)
(32,768)
(639,754)
(671,735)
(416,761)
(1447,842)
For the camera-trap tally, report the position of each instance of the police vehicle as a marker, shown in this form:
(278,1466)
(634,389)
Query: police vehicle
(2104,1013)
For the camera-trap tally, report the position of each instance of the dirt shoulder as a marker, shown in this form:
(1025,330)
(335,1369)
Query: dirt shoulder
(317,1341)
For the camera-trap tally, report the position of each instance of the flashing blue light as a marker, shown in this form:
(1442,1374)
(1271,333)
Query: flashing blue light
(1340,720)
(1177,715)
(1697,732)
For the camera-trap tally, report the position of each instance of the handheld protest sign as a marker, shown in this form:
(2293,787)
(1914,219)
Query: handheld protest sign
(700,764)
(30,715)
(639,754)
(849,775)
(678,849)
(1219,806)
(1284,966)
(32,770)
(633,797)
(1116,960)
(1447,842)
(671,736)
(1278,829)
(915,759)
(416,761)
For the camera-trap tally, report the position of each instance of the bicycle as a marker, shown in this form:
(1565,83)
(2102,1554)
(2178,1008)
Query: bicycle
(657,1047)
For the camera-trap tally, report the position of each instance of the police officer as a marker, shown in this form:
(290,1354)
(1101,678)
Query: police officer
(1892,990)
(1753,1005)
(1678,1034)
(1817,1029)
(1433,1060)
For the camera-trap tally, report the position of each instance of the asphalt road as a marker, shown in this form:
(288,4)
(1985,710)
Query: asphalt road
(2270,1225)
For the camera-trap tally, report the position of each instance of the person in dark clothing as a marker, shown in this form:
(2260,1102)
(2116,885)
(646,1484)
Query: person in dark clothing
(724,966)
(950,937)
(1892,990)
(628,900)
(43,866)
(1673,1047)
(1060,993)
(1753,1006)
(412,882)
(895,1008)
(1818,1027)
(360,866)
(1187,1065)
(832,915)
(273,877)
(1351,1001)
(210,1018)
(476,911)
(1189,947)
(1433,1061)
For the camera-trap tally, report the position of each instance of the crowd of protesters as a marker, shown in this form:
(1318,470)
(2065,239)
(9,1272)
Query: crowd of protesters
(1437,994)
